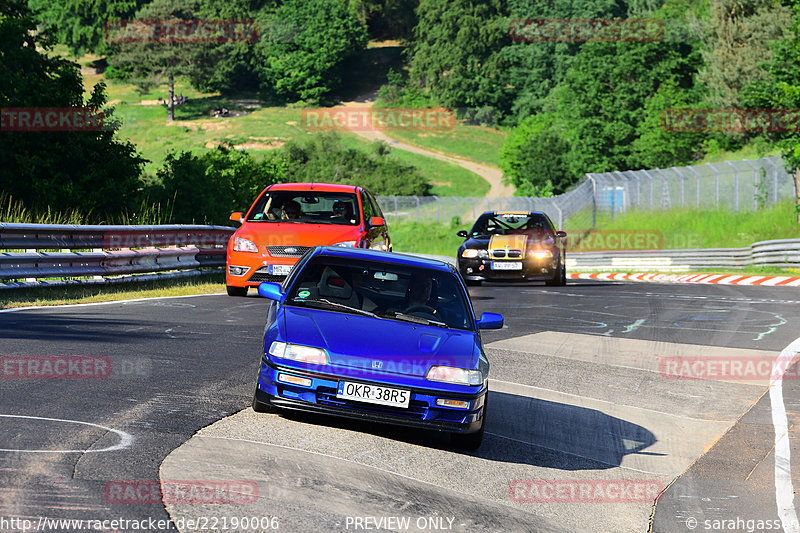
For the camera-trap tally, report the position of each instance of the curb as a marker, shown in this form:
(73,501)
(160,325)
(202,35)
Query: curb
(713,279)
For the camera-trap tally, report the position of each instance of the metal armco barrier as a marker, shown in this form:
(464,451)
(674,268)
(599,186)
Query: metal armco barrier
(782,253)
(115,250)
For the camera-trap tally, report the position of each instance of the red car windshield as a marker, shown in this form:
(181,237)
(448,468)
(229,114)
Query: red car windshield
(309,207)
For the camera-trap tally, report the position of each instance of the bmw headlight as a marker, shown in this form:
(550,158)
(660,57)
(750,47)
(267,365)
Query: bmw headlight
(243,245)
(346,244)
(541,254)
(460,376)
(472,253)
(299,352)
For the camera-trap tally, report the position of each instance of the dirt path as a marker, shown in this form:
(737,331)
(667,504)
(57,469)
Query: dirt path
(490,174)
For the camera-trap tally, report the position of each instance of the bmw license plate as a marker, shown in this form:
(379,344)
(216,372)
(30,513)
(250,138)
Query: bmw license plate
(280,270)
(507,265)
(373,394)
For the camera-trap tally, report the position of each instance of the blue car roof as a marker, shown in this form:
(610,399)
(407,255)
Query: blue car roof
(386,257)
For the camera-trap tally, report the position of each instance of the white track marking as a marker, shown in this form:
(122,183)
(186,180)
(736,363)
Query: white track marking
(125,439)
(784,491)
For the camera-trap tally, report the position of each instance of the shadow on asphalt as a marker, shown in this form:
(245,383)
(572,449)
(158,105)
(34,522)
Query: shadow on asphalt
(524,430)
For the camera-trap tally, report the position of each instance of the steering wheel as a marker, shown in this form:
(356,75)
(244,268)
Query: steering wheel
(424,309)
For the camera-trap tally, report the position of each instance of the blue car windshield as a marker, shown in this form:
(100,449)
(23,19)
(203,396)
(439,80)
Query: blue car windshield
(382,290)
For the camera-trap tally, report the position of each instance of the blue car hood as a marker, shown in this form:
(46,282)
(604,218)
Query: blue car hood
(383,345)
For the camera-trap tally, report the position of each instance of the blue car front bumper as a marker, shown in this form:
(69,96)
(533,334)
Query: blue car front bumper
(320,397)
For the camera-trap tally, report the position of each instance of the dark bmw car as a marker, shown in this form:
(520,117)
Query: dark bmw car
(513,246)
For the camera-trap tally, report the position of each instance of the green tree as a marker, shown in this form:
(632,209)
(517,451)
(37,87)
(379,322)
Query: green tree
(533,158)
(781,91)
(207,188)
(153,59)
(603,99)
(454,54)
(81,25)
(737,44)
(86,170)
(306,45)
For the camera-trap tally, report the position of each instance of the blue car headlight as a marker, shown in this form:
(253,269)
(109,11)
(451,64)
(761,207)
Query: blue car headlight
(299,352)
(460,376)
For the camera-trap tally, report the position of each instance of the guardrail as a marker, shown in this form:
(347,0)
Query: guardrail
(781,253)
(49,251)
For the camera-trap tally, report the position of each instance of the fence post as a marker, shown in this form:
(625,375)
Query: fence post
(458,214)
(681,176)
(755,184)
(775,179)
(438,209)
(735,186)
(417,199)
(716,182)
(594,200)
(646,173)
(395,206)
(696,185)
(473,207)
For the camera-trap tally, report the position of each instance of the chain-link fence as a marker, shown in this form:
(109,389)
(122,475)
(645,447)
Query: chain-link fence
(737,185)
(745,184)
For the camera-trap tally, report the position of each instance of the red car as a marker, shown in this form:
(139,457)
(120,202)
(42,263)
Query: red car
(289,218)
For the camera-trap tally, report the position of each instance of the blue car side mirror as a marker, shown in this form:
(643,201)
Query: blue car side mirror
(486,321)
(271,291)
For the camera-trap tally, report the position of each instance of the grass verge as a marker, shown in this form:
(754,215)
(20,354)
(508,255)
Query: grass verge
(78,294)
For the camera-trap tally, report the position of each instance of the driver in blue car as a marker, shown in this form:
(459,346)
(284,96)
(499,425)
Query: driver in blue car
(419,292)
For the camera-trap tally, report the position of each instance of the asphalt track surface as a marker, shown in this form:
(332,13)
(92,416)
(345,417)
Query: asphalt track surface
(579,396)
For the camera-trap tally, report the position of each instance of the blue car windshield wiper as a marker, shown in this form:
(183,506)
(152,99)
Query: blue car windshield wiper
(419,320)
(338,306)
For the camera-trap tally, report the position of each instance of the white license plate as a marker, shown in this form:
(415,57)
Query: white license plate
(373,394)
(280,270)
(508,265)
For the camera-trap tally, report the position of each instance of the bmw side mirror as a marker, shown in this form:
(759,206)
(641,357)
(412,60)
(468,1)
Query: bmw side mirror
(561,234)
(271,291)
(462,233)
(488,321)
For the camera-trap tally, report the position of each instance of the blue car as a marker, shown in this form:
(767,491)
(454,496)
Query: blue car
(376,336)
